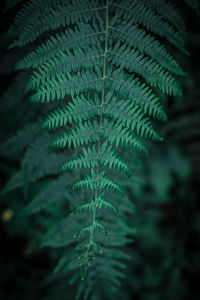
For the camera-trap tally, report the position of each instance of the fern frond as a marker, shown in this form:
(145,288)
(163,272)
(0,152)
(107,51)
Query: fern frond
(55,236)
(92,205)
(64,15)
(150,106)
(90,229)
(81,108)
(65,62)
(106,254)
(67,40)
(105,60)
(99,182)
(54,191)
(91,158)
(147,17)
(169,12)
(138,38)
(64,85)
(133,119)
(83,134)
(36,163)
(16,181)
(18,142)
(30,12)
(134,61)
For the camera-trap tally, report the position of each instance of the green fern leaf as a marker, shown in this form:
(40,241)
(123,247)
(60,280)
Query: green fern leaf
(105,61)
(92,205)
(99,181)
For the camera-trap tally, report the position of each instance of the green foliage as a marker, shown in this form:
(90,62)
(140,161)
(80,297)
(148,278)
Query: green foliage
(106,61)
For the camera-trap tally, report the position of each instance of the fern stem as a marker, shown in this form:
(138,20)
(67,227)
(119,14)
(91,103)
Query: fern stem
(105,53)
(99,142)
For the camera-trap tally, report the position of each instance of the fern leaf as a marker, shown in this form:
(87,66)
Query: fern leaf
(99,181)
(149,19)
(81,108)
(105,61)
(64,41)
(169,12)
(151,106)
(139,39)
(92,205)
(17,143)
(65,14)
(134,61)
(92,158)
(83,134)
(55,191)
